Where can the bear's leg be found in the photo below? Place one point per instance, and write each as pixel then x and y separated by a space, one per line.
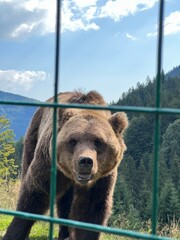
pixel 29 201
pixel 92 205
pixel 63 211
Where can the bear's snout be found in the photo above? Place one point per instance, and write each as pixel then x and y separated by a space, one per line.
pixel 85 170
pixel 85 164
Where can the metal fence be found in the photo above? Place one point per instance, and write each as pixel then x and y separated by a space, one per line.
pixel 157 111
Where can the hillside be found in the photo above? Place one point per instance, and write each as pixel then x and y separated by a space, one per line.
pixel 174 73
pixel 19 115
pixel 144 94
pixel 133 190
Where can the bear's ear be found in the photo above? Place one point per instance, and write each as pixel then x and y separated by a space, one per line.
pixel 119 122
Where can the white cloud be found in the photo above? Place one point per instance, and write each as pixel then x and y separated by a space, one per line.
pixel 23 29
pixel 85 3
pixel 90 13
pixel 73 20
pixel 171 25
pixel 129 36
pixel 22 18
pixel 13 79
pixel 120 8
pixel 151 34
pixel 27 17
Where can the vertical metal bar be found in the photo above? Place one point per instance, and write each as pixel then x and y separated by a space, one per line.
pixel 157 121
pixel 159 55
pixel 54 137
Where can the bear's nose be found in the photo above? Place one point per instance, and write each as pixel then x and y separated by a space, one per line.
pixel 85 163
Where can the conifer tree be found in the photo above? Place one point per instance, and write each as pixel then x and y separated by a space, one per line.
pixel 7 167
pixel 18 154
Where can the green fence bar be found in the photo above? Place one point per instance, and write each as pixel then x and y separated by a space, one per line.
pixel 86 226
pixel 175 111
pixel 157 122
pixel 54 137
pixel 53 173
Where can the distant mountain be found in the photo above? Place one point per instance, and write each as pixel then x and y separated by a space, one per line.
pixel 174 73
pixel 19 116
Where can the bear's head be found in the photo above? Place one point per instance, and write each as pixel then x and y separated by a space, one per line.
pixel 90 144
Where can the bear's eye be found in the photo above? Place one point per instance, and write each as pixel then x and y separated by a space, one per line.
pixel 72 142
pixel 98 143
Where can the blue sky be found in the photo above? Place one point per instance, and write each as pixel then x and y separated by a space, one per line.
pixel 106 45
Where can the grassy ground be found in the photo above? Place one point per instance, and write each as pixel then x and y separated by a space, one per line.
pixel 8 199
pixel 40 230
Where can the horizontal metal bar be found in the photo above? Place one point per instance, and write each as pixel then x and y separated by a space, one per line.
pixel 82 225
pixel 97 107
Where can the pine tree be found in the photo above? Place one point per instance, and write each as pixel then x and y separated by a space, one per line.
pixel 169 173
pixel 18 154
pixel 169 203
pixel 7 167
pixel 171 142
pixel 144 193
pixel 139 137
pixel 122 197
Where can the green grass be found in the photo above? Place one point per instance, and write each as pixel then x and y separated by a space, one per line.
pixel 4 222
pixel 40 230
pixel 8 199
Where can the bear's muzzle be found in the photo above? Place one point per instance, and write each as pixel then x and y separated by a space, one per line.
pixel 85 165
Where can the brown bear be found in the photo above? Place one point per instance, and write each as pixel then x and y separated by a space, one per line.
pixel 90 147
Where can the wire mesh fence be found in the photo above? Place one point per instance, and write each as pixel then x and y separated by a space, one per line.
pixel 157 111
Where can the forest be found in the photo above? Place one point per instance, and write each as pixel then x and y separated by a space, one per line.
pixel 133 193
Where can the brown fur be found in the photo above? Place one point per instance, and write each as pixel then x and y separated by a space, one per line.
pixel 90 147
